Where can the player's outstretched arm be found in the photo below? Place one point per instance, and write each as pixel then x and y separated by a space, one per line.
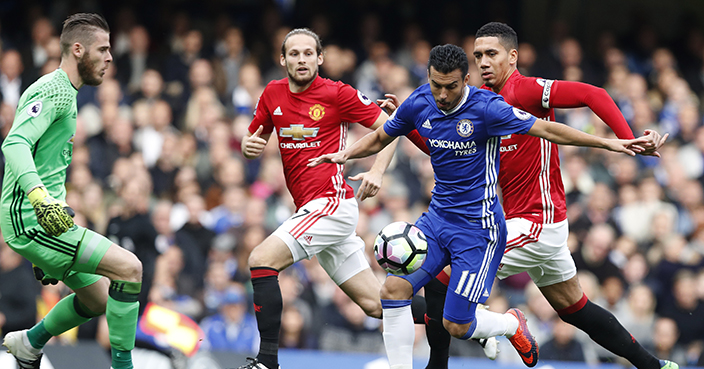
pixel 563 134
pixel 253 143
pixel 570 94
pixel 370 144
pixel 372 180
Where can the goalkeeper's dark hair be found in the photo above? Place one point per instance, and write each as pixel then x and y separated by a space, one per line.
pixel 303 31
pixel 447 58
pixel 81 27
pixel 506 35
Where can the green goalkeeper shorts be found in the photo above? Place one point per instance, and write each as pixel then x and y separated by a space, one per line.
pixel 72 257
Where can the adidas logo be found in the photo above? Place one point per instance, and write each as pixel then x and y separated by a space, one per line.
pixel 308 239
pixel 427 125
pixel 486 293
pixel 278 111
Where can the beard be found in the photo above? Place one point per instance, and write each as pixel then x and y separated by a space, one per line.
pixel 299 81
pixel 86 70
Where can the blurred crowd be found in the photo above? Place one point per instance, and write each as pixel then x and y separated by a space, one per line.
pixel 157 168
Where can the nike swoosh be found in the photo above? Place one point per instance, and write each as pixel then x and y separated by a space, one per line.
pixel 528 357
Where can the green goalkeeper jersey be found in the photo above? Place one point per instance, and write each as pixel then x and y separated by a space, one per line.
pixel 37 150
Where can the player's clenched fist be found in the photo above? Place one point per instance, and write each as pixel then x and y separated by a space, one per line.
pixel 252 146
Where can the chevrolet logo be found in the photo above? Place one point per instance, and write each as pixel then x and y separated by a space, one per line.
pixel 298 132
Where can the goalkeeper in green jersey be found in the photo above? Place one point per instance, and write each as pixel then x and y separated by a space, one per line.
pixel 36 222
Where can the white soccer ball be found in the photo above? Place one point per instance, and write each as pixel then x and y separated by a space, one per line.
pixel 400 248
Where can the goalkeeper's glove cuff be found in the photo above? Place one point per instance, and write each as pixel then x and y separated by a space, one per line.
pixel 37 194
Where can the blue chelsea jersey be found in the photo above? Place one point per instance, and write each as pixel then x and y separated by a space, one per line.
pixel 464 147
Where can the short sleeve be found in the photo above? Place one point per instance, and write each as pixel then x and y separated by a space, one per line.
pixel 356 107
pixel 504 119
pixel 262 116
pixel 401 121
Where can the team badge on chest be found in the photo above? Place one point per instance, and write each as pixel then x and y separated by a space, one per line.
pixel 316 112
pixel 465 128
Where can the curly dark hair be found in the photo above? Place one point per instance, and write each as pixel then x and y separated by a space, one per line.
pixel 447 58
pixel 506 35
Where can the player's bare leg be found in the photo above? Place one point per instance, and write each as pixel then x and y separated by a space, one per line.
pixel 363 288
pixel 564 294
pixel 265 262
pixel 572 305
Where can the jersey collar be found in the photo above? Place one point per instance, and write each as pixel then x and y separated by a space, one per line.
pixel 65 75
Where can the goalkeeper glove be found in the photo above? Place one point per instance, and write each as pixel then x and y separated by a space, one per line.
pixel 40 276
pixel 53 215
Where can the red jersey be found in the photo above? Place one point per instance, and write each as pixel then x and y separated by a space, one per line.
pixel 309 124
pixel 529 174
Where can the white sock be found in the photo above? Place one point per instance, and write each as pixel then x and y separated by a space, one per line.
pixel 491 324
pixel 28 345
pixel 399 334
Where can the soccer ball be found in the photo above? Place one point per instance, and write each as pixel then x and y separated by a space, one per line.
pixel 400 248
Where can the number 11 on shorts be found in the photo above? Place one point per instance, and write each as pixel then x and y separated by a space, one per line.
pixel 463 278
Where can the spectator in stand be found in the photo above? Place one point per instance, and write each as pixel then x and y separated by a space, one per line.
pixel 232 328
pixel 686 309
pixel 563 346
pixel 183 55
pixel 149 138
pixel 597 210
pixel 370 70
pixel 12 83
pixel 539 315
pixel 231 212
pixel 151 87
pixel 271 67
pixel 639 316
pixel 132 65
pixel 593 256
pixel 248 237
pixel 174 289
pixel 36 54
pixel 295 328
pixel 636 219
pixel 233 56
pixel 94 207
pixel 340 64
pixel 348 328
pixel 133 229
pixel 665 337
pixel 194 239
pixel 217 281
pixel 246 94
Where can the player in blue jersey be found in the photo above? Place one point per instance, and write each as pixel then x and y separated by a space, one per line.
pixel 464 224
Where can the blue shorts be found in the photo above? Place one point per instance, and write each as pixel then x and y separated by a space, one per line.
pixel 474 253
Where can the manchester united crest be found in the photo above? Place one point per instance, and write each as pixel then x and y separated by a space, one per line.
pixel 316 112
pixel 465 128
